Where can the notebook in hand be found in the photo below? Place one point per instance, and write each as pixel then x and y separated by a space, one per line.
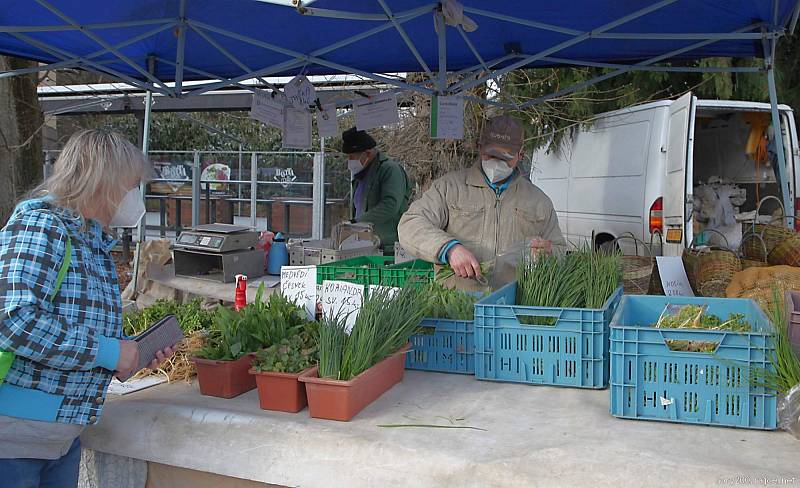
pixel 159 336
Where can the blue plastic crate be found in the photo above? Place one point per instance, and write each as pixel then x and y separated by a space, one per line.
pixel 572 352
pixel 449 349
pixel 649 381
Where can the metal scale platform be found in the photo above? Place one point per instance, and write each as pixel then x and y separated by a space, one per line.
pixel 218 252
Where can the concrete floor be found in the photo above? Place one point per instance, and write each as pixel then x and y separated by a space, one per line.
pixel 534 436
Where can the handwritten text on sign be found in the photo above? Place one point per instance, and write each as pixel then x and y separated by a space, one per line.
pixel 673 276
pixel 267 109
pixel 299 285
pixel 342 299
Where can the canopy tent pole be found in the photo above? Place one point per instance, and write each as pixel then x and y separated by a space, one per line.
pixel 784 184
pixel 142 227
pixel 318 193
pixel 441 35
pixel 180 50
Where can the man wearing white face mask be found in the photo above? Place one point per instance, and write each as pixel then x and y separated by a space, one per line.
pixel 381 189
pixel 472 216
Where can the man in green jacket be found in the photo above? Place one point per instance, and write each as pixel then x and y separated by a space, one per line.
pixel 380 187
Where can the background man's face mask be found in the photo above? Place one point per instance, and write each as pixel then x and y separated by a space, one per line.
pixel 496 169
pixel 355 165
pixel 130 210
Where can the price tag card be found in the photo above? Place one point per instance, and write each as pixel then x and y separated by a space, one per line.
pixel 297 129
pixel 327 125
pixel 342 299
pixel 299 284
pixel 447 117
pixel 267 109
pixel 376 111
pixel 390 290
pixel 673 276
pixel 300 92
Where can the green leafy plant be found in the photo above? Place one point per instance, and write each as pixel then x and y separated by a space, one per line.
pixel 291 355
pixel 191 316
pixel 582 278
pixel 785 362
pixel 384 325
pixel 259 324
pixel 447 303
pixel 695 317
pixel 331 341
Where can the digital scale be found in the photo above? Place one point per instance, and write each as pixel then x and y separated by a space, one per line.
pixel 218 252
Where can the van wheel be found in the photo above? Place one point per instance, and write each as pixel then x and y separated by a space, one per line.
pixel 605 243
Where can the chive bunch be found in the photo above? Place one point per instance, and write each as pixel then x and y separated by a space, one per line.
pixel 384 325
pixel 785 361
pixel 447 303
pixel 582 278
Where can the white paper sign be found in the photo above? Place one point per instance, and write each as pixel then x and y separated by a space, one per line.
pixel 390 290
pixel 299 284
pixel 297 129
pixel 116 387
pixel 300 92
pixel 267 109
pixel 673 276
pixel 327 125
pixel 447 117
pixel 376 111
pixel 340 298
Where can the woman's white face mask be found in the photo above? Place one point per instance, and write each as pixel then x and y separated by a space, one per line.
pixel 130 210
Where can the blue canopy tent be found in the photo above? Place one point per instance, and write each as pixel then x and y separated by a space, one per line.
pixel 157 45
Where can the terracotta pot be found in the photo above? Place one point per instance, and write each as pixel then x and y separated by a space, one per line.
pixel 281 391
pixel 342 400
pixel 225 379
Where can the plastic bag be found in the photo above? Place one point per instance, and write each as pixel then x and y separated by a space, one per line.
pixel 789 411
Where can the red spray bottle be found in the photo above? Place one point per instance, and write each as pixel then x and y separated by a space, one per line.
pixel 240 299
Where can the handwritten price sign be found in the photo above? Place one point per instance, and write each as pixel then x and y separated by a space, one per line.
pixel 299 284
pixel 342 299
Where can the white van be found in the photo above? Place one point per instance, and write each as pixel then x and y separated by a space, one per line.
pixel 633 171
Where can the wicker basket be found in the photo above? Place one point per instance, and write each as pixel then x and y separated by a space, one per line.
pixel 753 263
pixel 713 270
pixel 770 233
pixel 786 253
pixel 655 288
pixel 636 270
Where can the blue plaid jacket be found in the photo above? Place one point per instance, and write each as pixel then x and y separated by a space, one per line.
pixel 66 349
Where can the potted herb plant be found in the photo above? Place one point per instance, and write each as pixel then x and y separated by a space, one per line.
pixel 223 364
pixel 356 368
pixel 277 369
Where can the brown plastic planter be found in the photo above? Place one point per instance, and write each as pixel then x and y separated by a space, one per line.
pixel 342 400
pixel 282 392
pixel 225 379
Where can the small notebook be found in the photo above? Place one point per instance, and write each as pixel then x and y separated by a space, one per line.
pixel 163 334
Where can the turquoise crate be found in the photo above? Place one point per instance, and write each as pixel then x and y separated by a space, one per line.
pixel 573 352
pixel 421 272
pixel 364 270
pixel 651 382
pixel 449 349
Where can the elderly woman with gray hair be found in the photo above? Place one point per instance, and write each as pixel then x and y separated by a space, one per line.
pixel 61 319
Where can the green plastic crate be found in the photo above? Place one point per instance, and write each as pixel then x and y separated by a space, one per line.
pixel 364 270
pixel 417 271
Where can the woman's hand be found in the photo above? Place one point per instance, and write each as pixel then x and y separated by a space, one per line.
pixel 128 358
pixel 161 357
